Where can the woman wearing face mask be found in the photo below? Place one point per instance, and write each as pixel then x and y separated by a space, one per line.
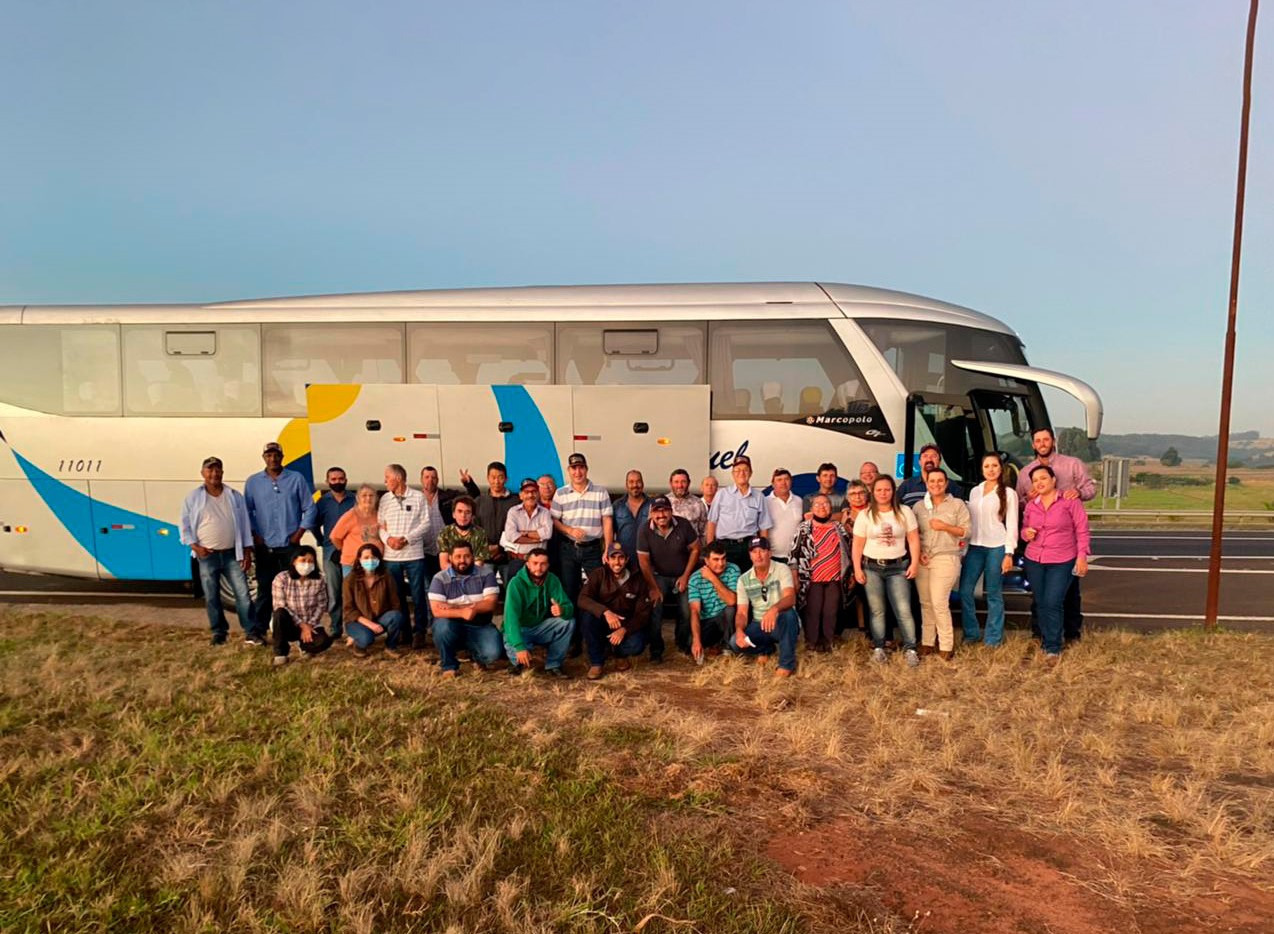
pixel 371 604
pixel 821 554
pixel 357 527
pixel 992 540
pixel 300 600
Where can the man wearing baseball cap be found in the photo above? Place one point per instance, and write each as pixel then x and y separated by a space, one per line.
pixel 528 525
pixel 614 609
pixel 215 524
pixel 668 553
pixel 765 615
pixel 281 507
pixel 585 520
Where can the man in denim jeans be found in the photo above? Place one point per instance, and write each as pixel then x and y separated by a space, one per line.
pixel 214 523
pixel 765 615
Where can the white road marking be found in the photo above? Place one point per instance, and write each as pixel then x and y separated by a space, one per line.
pixel 1184 616
pixel 1180 538
pixel 1186 557
pixel 1107 567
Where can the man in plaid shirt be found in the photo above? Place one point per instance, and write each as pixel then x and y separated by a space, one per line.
pixel 405 519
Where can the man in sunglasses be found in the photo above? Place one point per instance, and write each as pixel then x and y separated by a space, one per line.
pixel 281 507
pixel 765 615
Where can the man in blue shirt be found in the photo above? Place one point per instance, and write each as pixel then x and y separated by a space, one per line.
pixel 330 507
pixel 281 509
pixel 913 489
pixel 738 515
pixel 632 512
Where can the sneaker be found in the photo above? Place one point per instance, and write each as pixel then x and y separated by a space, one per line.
pixel 253 639
pixel 557 673
pixel 913 660
pixel 594 672
pixel 359 653
pixel 879 656
pixel 280 660
pixel 218 639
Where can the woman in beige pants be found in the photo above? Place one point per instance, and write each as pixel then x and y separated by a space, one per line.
pixel 944 525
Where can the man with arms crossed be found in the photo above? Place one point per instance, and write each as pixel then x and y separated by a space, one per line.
pixel 668 553
pixel 712 602
pixel 462 600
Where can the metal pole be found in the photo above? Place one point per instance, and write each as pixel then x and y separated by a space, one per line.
pixel 1227 378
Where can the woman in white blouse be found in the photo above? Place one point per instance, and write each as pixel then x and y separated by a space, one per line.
pixel 994 513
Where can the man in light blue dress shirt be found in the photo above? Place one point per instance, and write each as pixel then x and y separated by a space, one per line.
pixel 281 507
pixel 738 514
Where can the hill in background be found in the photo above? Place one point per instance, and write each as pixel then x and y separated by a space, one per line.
pixel 1247 448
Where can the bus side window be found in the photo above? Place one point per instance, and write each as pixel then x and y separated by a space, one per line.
pixel 299 354
pixel 630 354
pixel 192 371
pixel 782 370
pixel 61 370
pixel 480 354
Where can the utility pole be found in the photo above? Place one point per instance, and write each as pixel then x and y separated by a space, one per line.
pixel 1227 377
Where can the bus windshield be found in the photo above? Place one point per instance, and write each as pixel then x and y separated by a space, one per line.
pixel 921 352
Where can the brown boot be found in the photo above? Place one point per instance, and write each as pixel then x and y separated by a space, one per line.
pixel 927 650
pixel 946 655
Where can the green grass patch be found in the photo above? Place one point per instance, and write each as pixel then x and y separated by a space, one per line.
pixel 150 785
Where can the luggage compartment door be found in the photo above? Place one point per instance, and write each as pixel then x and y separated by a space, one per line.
pixel 655 429
pixel 363 428
pixel 527 428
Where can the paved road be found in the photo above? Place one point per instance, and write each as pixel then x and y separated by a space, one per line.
pixel 1155 579
pixel 1160 579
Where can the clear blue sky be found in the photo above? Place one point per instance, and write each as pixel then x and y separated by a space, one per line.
pixel 1067 167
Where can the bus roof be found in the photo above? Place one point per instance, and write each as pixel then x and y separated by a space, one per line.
pixel 667 302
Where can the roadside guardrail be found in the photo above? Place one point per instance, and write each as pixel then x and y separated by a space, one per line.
pixel 1180 518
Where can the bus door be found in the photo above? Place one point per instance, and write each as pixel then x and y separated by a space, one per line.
pixel 949 422
pixel 1006 422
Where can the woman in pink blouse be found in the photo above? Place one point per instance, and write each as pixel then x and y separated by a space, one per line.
pixel 1055 530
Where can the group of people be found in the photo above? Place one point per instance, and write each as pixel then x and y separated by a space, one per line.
pixel 738 569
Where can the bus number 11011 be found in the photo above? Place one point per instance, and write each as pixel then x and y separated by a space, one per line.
pixel 80 466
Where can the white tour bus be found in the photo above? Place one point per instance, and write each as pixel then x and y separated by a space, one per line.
pixel 106 412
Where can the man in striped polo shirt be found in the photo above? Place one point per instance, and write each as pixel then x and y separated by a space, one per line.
pixel 462 599
pixel 584 518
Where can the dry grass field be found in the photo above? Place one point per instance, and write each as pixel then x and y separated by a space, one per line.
pixel 151 783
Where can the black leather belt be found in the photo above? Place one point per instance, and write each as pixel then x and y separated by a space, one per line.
pixel 886 562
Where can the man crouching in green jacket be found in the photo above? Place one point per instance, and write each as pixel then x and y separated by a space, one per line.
pixel 537 612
